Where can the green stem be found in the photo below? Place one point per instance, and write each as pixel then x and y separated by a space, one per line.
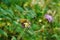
pixel 21 34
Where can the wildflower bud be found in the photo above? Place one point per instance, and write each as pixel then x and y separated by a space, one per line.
pixel 40 20
pixel 8 23
pixel 0 18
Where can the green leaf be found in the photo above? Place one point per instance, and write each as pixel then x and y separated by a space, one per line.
pixel 19 8
pixel 3 33
pixel 13 38
pixel 3 11
pixel 35 27
pixel 37 8
pixel 30 14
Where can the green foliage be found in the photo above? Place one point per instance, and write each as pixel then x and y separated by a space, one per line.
pixel 3 33
pixel 25 20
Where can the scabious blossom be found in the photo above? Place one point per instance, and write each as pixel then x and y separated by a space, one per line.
pixel 49 17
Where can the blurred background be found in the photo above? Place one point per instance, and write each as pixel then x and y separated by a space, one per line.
pixel 29 19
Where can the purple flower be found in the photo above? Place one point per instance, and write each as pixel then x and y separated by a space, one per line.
pixel 49 17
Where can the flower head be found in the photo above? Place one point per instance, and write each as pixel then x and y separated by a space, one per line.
pixel 49 17
pixel 25 23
